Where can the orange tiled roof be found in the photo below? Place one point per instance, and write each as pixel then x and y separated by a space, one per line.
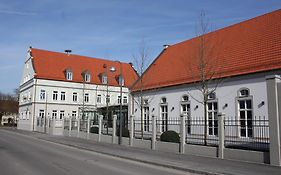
pixel 247 47
pixel 52 65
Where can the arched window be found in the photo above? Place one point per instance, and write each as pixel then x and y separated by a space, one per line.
pixel 244 92
pixel 163 100
pixel 212 96
pixel 184 98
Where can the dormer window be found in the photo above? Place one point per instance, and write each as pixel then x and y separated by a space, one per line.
pixel 104 79
pixel 69 75
pixel 87 77
pixel 121 80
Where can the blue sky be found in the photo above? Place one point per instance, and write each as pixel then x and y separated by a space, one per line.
pixel 111 29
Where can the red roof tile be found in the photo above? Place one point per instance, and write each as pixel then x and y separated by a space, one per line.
pixel 52 65
pixel 247 47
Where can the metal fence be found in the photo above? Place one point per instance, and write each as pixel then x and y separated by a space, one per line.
pixel 251 134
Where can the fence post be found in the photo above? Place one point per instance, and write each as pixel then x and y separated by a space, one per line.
pixel 114 128
pixel 100 127
pixel 274 119
pixel 182 133
pixel 70 127
pixel 153 138
pixel 88 127
pixel 78 126
pixel 221 117
pixel 131 129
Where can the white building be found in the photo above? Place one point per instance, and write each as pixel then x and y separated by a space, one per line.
pixel 62 85
pixel 241 55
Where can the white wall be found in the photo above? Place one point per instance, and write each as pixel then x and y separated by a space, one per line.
pixel 226 93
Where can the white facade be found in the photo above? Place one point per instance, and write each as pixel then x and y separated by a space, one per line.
pixel 227 98
pixel 55 99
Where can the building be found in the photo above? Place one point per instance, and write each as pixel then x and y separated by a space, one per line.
pixel 237 61
pixel 63 85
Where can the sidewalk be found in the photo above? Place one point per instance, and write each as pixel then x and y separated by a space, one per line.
pixel 189 163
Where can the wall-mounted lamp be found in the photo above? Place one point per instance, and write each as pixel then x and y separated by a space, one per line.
pixel 172 108
pixel 225 106
pixel 196 107
pixel 136 110
pixel 153 109
pixel 261 104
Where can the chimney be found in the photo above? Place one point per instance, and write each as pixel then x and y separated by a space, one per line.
pixel 166 46
pixel 68 52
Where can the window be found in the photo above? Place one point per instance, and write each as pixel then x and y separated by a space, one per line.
pixel 69 75
pixel 74 115
pixel 86 97
pixel 245 113
pixel 74 96
pixel 125 99
pixel 55 95
pixel 108 99
pixel 121 80
pixel 185 109
pixel 119 99
pixel 62 96
pixel 146 118
pixel 61 114
pixel 54 114
pixel 87 77
pixel 99 99
pixel 212 112
pixel 104 79
pixel 164 114
pixel 41 118
pixel 42 94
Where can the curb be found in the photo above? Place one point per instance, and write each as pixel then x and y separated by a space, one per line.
pixel 135 159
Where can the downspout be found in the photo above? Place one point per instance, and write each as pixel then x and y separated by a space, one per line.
pixel 34 98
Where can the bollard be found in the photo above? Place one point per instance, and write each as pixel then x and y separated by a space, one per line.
pixel 78 127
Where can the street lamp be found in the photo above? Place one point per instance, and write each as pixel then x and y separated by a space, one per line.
pixel 121 82
pixel 112 69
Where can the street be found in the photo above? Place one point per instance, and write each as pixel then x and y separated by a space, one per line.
pixel 21 155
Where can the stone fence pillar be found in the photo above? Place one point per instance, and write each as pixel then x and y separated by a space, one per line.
pixel 114 119
pixel 221 133
pixel 274 118
pixel 100 127
pixel 153 138
pixel 182 133
pixel 131 129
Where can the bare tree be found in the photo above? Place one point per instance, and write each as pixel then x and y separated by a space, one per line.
pixel 206 67
pixel 141 61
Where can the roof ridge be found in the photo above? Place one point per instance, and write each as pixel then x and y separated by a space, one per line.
pixel 85 57
pixel 230 26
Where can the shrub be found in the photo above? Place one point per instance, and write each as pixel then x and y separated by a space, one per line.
pixel 170 136
pixel 125 132
pixel 94 129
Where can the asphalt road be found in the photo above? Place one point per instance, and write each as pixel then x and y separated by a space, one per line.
pixel 20 155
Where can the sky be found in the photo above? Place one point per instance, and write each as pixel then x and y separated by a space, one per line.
pixel 111 29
